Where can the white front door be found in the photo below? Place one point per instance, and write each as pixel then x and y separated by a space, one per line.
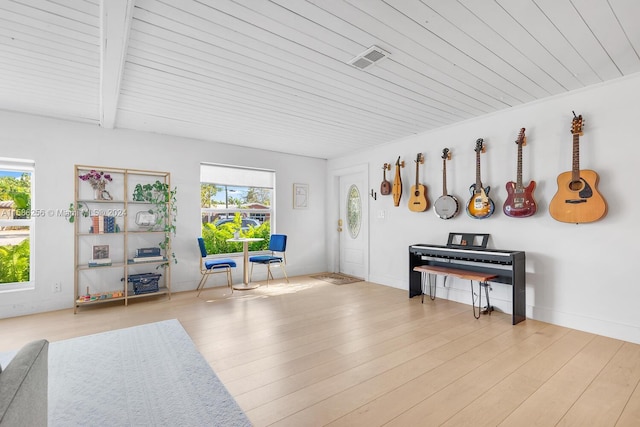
pixel 353 225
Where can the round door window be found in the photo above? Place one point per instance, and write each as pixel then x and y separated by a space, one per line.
pixel 354 211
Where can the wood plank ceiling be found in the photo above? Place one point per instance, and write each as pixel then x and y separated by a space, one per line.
pixel 275 74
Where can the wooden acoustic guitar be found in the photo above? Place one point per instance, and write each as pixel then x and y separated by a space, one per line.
pixel 397 183
pixel 520 202
pixel 480 205
pixel 385 186
pixel 446 206
pixel 418 201
pixel 577 199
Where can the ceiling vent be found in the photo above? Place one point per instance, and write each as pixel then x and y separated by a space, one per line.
pixel 369 57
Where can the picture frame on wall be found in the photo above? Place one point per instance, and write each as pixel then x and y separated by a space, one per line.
pixel 300 196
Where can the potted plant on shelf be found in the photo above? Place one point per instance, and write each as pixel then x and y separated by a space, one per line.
pixel 164 209
pixel 98 181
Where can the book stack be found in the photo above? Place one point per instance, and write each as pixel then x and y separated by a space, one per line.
pixel 102 262
pixel 101 224
pixel 147 255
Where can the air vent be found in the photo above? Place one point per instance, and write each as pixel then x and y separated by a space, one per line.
pixel 369 57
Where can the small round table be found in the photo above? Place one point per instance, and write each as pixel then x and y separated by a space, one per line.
pixel 245 286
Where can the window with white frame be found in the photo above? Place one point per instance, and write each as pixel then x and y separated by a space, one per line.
pixel 17 223
pixel 236 201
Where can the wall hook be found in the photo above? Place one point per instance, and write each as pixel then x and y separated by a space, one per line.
pixel 374 194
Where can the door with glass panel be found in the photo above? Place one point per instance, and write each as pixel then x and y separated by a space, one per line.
pixel 352 225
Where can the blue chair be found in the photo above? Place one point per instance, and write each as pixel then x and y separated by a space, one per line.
pixel 212 266
pixel 277 243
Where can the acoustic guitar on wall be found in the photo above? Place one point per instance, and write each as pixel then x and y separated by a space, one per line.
pixel 446 206
pixel 480 204
pixel 385 186
pixel 418 201
pixel 577 199
pixel 520 202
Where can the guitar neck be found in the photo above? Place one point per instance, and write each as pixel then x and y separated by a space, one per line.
pixel 478 182
pixel 519 176
pixel 444 177
pixel 575 171
pixel 417 173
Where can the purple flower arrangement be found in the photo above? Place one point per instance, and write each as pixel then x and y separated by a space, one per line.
pixel 96 179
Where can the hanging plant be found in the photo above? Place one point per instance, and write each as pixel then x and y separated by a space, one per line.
pixel 165 208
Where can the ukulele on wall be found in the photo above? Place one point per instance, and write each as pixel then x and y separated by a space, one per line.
pixel 480 205
pixel 397 183
pixel 446 206
pixel 418 201
pixel 385 186
pixel 577 199
pixel 520 202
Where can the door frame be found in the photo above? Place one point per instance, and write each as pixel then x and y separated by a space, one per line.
pixel 333 214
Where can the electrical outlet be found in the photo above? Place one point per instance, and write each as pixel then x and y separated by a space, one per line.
pixel 57 287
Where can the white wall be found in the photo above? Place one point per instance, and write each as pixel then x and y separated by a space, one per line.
pixel 57 145
pixel 580 276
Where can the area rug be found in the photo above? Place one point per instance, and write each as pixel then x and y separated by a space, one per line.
pixel 336 278
pixel 149 375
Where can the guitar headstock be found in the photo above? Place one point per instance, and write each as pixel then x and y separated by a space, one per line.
pixel 446 154
pixel 480 148
pixel 521 138
pixel 419 158
pixel 386 166
pixel 576 124
pixel 399 163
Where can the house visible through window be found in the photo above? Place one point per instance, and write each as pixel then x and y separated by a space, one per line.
pixel 235 200
pixel 17 220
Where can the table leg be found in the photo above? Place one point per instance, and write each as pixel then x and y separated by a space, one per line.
pixel 245 286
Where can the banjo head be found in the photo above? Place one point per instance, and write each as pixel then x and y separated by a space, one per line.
pixel 446 207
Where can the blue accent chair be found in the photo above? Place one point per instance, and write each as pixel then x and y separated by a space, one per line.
pixel 277 243
pixel 209 266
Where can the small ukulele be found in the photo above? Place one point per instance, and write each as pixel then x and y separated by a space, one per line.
pixel 385 186
pixel 418 201
pixel 446 206
pixel 480 205
pixel 520 202
pixel 397 183
pixel 577 199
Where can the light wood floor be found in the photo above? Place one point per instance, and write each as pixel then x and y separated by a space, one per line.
pixel 313 353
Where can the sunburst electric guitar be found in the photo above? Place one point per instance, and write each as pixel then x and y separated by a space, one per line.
pixel 577 199
pixel 418 201
pixel 520 202
pixel 480 204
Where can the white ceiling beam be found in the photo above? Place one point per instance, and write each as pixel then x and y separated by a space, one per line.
pixel 115 23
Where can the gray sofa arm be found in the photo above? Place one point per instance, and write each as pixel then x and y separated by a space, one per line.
pixel 24 387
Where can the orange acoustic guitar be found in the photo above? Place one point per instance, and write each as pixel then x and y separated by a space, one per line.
pixel 577 199
pixel 480 205
pixel 520 202
pixel 418 201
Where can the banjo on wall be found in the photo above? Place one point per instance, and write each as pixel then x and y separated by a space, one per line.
pixel 446 206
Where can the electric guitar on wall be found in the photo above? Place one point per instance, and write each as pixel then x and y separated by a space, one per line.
pixel 418 201
pixel 446 206
pixel 520 202
pixel 577 199
pixel 385 186
pixel 480 205
pixel 397 183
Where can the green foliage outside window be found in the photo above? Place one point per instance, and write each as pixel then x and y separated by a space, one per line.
pixel 14 262
pixel 215 237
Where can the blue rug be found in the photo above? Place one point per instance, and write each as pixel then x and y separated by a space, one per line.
pixel 149 375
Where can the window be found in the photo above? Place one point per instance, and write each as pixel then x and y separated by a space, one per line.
pixel 17 220
pixel 235 199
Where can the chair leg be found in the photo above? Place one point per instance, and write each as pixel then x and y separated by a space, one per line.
pixel 229 284
pixel 203 280
pixel 284 271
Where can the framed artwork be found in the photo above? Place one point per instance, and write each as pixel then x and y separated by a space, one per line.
pixel 300 196
pixel 100 251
